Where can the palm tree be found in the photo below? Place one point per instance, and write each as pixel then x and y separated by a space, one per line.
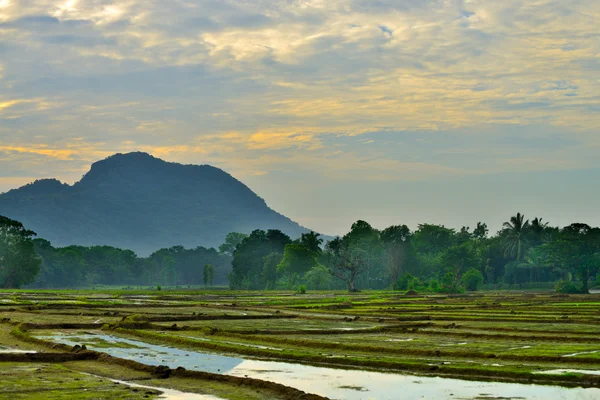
pixel 537 226
pixel 534 260
pixel 538 231
pixel 312 241
pixel 515 231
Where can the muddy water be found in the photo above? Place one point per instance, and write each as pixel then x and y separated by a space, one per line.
pixel 333 383
pixel 170 394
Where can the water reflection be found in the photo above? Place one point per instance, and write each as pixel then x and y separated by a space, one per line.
pixel 329 382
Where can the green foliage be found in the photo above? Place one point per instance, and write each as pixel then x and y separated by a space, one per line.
pixel 450 284
pixel 458 258
pixel 472 279
pixel 208 274
pixel 231 241
pixel 249 258
pixel 521 255
pixel 297 260
pixel 318 277
pixel 564 286
pixel 269 272
pixel 79 266
pixel 302 289
pixel 396 240
pixel 19 263
pixel 358 252
pixel 312 241
pixel 404 282
pixel 158 287
pixel 577 250
pixel 515 234
pixel 434 285
pixel 430 238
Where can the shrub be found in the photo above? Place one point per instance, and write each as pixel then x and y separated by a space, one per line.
pixel 472 279
pixel 302 289
pixel 434 285
pixel 158 287
pixel 404 281
pixel 450 285
pixel 566 287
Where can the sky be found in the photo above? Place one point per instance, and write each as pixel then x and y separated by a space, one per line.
pixel 391 111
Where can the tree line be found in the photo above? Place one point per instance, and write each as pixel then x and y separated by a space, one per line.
pixel 524 253
pixel 433 257
pixel 26 260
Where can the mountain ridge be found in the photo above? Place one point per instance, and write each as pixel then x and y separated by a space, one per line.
pixel 143 203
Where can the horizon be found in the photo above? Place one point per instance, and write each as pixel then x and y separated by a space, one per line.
pixel 494 226
pixel 395 112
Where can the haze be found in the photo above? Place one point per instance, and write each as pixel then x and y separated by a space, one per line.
pixel 388 111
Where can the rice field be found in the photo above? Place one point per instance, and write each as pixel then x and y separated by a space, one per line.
pixel 241 345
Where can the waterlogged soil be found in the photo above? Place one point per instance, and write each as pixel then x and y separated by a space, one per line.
pixel 329 382
pixel 149 354
pixel 48 381
pixel 503 336
pixel 168 394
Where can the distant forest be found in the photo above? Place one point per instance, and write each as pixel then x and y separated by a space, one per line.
pixel 523 254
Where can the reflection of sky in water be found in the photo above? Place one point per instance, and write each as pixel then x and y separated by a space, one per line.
pixel 152 354
pixel 376 385
pixel 329 382
pixel 171 394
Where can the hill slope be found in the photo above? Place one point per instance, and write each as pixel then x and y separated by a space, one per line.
pixel 142 203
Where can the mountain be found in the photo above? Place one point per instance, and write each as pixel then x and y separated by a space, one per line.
pixel 143 203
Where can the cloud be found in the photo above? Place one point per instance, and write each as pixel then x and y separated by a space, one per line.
pixel 349 89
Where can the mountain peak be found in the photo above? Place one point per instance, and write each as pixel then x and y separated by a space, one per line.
pixel 126 160
pixel 40 186
pixel 134 156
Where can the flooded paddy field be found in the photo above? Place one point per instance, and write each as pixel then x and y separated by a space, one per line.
pixel 225 345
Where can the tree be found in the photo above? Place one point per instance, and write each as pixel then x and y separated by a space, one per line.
pixel 433 238
pixel 365 247
pixel 534 261
pixel 269 272
pixel 472 279
pixel 71 268
pixel 458 258
pixel 318 277
pixel 19 263
pixel 169 273
pixel 395 240
pixel 248 258
pixel 208 274
pixel 277 240
pixel 312 241
pixel 577 250
pixel 537 231
pixel 515 232
pixel 231 241
pixel 480 232
pixel 347 262
pixel 297 260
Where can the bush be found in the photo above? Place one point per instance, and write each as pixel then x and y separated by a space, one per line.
pixel 302 289
pixel 450 285
pixel 404 282
pixel 566 287
pixel 434 285
pixel 472 279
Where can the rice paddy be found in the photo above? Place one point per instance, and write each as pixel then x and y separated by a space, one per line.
pixel 272 345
